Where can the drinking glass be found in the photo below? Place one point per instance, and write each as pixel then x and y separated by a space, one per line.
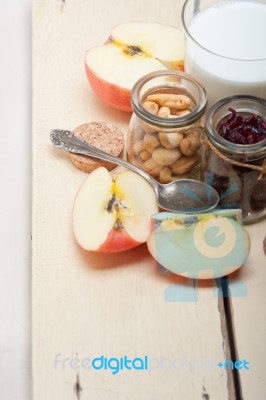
pixel 225 48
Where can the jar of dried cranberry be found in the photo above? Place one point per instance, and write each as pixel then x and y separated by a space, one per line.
pixel 235 162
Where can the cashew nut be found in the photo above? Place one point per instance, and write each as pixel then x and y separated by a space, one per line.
pixel 145 155
pixel 181 113
pixel 165 112
pixel 178 105
pixel 149 143
pixel 184 164
pixel 152 167
pixel 164 156
pixel 178 101
pixel 191 143
pixel 151 107
pixel 165 175
pixel 170 140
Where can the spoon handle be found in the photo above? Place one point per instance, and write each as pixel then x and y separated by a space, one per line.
pixel 67 140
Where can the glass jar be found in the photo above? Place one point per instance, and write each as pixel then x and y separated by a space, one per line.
pixel 165 134
pixel 237 171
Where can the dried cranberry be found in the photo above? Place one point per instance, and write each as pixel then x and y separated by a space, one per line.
pixel 251 120
pixel 243 129
pixel 232 116
pixel 261 138
pixel 248 129
pixel 223 129
pixel 220 183
pixel 258 198
pixel 237 138
pixel 262 126
pixel 252 138
pixel 236 122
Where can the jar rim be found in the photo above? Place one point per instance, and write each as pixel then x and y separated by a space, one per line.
pixel 218 141
pixel 150 118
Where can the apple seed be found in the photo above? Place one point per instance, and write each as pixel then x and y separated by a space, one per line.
pixel 132 51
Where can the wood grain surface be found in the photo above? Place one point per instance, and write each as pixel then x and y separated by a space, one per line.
pixel 248 299
pixel 86 305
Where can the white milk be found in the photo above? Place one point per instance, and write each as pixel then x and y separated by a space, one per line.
pixel 235 30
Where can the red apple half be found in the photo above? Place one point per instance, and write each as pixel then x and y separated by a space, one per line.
pixel 133 50
pixel 113 214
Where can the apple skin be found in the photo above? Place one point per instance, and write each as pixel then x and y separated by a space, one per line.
pixel 118 240
pixel 115 96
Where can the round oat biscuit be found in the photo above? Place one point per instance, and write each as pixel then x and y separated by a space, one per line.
pixel 102 135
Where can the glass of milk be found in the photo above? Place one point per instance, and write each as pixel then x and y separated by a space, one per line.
pixel 226 46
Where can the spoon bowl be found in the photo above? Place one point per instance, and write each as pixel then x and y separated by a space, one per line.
pixel 182 195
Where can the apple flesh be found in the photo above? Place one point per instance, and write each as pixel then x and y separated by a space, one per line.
pixel 203 246
pixel 134 49
pixel 113 214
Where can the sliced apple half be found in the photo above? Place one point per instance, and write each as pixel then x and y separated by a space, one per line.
pixel 113 214
pixel 200 246
pixel 133 50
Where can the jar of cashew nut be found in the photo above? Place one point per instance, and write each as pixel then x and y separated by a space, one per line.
pixel 165 134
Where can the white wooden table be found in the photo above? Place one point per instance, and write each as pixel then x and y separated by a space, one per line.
pixel 85 305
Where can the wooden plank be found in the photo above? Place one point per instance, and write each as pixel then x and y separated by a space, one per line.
pixel 248 299
pixel 87 305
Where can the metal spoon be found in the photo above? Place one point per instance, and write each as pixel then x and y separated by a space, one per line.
pixel 184 195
